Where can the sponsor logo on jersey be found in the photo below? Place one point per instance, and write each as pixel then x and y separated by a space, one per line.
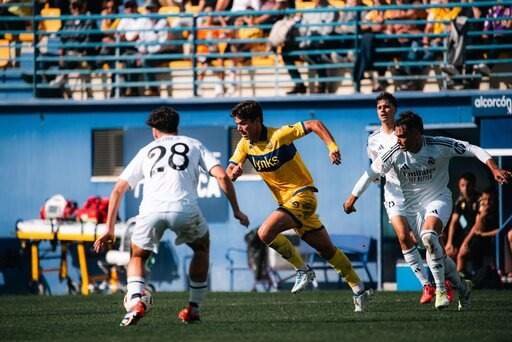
pixel 273 160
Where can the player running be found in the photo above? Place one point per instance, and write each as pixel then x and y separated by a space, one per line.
pixel 273 155
pixel 169 167
pixel 422 164
pixel 378 143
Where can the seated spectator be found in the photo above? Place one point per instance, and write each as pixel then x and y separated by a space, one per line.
pixel 108 25
pixel 477 247
pixel 315 33
pixel 463 215
pixel 498 34
pixel 153 37
pixel 457 54
pixel 413 54
pixel 127 34
pixel 372 23
pixel 208 33
pixel 80 33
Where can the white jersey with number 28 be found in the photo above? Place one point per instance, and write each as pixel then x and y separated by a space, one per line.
pixel 170 168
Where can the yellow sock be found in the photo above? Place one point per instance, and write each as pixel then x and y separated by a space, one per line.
pixel 284 247
pixel 342 265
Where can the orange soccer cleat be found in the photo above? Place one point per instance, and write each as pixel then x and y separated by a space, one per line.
pixel 132 317
pixel 190 314
pixel 429 292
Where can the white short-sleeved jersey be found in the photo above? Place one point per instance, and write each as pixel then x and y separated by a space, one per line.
pixel 378 143
pixel 169 168
pixel 423 176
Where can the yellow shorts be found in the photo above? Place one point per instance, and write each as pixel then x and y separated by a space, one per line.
pixel 302 207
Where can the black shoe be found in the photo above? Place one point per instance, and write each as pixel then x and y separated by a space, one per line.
pixel 297 89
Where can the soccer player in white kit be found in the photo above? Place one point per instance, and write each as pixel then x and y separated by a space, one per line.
pixel 378 143
pixel 169 166
pixel 421 163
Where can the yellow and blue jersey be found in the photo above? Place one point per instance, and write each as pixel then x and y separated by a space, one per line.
pixel 276 159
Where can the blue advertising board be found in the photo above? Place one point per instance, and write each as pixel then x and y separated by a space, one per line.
pixel 492 105
pixel 213 203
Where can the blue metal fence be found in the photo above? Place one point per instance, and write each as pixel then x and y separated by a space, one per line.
pixel 198 58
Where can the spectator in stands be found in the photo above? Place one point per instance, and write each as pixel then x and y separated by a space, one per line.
pixel 497 33
pixel 477 247
pixel 413 54
pixel 79 33
pixel 199 5
pixel 457 54
pixel 108 25
pixel 154 38
pixel 128 53
pixel 317 31
pixel 463 215
pixel 373 22
pixel 208 33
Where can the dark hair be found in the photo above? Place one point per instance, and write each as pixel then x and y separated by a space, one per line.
pixel 410 120
pixel 385 96
pixel 469 177
pixel 250 110
pixel 165 119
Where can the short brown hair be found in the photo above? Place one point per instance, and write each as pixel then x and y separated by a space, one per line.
pixel 248 110
pixel 164 119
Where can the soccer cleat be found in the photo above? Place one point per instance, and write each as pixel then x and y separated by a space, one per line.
pixel 428 294
pixel 189 314
pixel 361 300
pixel 450 292
pixel 302 279
pixel 465 295
pixel 442 300
pixel 132 317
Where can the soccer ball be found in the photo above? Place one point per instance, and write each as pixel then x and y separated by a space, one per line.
pixel 146 298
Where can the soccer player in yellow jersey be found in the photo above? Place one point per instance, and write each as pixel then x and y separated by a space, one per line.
pixel 273 155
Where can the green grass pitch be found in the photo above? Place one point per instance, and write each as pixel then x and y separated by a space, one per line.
pixel 308 316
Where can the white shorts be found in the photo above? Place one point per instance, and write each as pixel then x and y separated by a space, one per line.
pixel 394 201
pixel 149 228
pixel 440 208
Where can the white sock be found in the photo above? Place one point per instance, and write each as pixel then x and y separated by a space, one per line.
pixel 413 258
pixel 435 257
pixel 134 286
pixel 358 289
pixel 450 270
pixel 198 291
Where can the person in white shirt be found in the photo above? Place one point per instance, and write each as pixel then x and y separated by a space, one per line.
pixel 378 143
pixel 170 167
pixel 421 163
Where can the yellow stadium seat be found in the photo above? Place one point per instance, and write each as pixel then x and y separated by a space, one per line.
pixel 337 3
pixel 27 37
pixel 301 4
pixel 169 10
pixel 180 64
pixel 263 61
pixel 5 53
pixel 51 25
pixel 189 8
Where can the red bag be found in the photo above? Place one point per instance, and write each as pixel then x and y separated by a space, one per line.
pixel 95 210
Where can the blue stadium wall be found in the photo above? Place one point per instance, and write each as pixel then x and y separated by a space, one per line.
pixel 46 148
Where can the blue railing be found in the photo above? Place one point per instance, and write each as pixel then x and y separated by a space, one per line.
pixel 194 59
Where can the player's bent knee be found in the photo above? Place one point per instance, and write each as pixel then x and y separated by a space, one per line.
pixel 429 238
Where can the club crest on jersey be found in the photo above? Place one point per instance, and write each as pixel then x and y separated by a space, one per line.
pixel 431 161
pixel 404 167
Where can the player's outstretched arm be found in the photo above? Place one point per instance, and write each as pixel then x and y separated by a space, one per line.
pixel 234 171
pixel 113 207
pixel 229 190
pixel 500 175
pixel 359 188
pixel 321 130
